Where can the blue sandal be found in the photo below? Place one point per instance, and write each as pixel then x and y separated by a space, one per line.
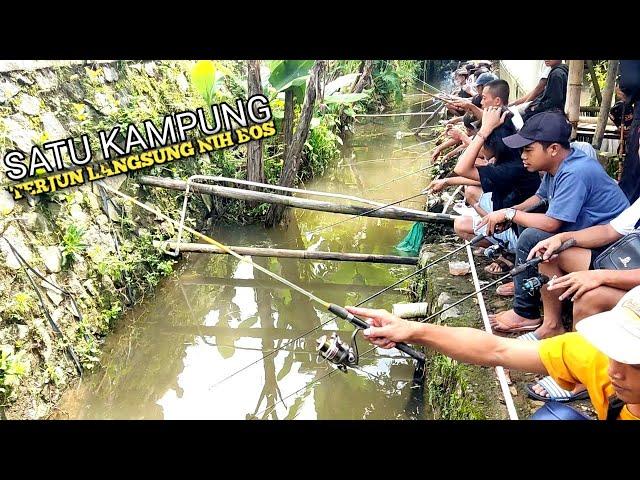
pixel 555 392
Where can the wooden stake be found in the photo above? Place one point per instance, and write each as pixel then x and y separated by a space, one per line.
pixel 605 105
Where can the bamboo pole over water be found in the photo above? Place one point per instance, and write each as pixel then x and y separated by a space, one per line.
pixel 395 213
pixel 289 253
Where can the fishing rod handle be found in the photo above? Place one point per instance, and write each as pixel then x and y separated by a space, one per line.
pixel 358 322
pixel 535 261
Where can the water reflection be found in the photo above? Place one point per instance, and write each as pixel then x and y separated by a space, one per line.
pixel 219 315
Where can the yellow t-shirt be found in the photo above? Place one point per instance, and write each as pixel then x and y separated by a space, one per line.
pixel 571 359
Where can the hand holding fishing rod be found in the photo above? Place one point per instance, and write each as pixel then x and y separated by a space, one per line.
pixel 388 329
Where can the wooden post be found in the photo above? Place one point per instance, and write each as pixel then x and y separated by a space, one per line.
pixel 293 154
pixel 365 76
pixel 605 106
pixel 255 169
pixel 576 70
pixel 291 253
pixel 594 81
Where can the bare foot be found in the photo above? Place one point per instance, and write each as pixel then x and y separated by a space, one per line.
pixel 506 289
pixel 509 321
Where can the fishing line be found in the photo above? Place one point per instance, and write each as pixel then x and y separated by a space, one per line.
pixel 333 308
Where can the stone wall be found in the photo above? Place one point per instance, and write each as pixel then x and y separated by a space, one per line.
pixel 103 257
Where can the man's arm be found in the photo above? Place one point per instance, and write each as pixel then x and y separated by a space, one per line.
pixel 441 183
pixel 528 203
pixel 467 345
pixel 466 163
pixel 592 237
pixel 491 119
pixel 536 220
pixel 539 88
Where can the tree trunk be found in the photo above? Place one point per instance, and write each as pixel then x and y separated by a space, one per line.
pixel 576 70
pixel 365 77
pixel 287 123
pixel 255 168
pixel 594 81
pixel 293 153
pixel 605 105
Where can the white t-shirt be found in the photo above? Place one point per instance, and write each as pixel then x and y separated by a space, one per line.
pixel 543 71
pixel 517 118
pixel 625 223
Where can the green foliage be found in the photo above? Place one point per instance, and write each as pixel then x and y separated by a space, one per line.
pixel 206 78
pixel 446 387
pixel 600 67
pixel 72 244
pixel 12 367
pixel 287 73
pixel 321 150
pixel 19 306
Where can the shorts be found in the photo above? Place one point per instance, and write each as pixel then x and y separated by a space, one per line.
pixel 508 237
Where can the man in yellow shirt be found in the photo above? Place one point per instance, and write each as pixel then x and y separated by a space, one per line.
pixel 604 354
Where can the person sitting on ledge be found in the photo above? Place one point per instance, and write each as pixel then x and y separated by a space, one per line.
pixel 604 354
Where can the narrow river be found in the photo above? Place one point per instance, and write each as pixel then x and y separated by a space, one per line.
pixel 215 316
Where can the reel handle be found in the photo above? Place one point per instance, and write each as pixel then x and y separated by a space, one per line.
pixel 358 322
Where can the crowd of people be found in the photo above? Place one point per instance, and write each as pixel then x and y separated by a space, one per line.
pixel 530 188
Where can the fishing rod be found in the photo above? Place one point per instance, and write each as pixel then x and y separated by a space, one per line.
pixel 530 284
pixel 376 294
pixel 316 230
pixel 343 353
pixel 332 307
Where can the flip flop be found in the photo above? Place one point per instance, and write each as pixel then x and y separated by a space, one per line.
pixel 531 337
pixel 505 266
pixel 556 393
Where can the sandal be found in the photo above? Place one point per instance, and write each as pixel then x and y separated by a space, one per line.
pixel 503 265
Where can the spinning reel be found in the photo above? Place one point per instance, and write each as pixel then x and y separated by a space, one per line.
pixel 530 285
pixel 338 352
pixel 494 251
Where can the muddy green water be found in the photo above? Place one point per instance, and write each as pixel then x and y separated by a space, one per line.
pixel 217 315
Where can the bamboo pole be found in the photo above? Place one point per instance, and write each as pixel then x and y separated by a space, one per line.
pixel 576 70
pixel 396 213
pixel 289 253
pixel 605 105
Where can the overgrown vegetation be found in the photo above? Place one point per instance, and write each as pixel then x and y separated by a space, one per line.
pixel 108 259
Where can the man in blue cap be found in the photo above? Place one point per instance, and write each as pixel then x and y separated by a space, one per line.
pixel 580 194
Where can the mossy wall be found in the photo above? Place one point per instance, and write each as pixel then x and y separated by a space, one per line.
pixel 103 257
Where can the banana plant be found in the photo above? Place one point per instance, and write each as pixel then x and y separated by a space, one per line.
pixel 207 77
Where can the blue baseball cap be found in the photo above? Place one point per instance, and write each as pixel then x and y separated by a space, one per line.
pixel 542 127
pixel 485 78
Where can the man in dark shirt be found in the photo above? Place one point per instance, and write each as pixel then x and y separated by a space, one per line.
pixel 580 194
pixel 555 91
pixel 630 86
